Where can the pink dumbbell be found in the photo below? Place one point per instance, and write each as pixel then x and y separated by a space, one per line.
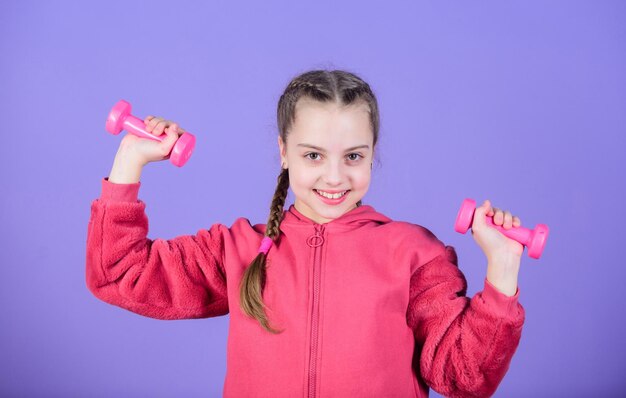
pixel 120 119
pixel 534 239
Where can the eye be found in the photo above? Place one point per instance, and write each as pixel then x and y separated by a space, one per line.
pixel 352 156
pixel 311 153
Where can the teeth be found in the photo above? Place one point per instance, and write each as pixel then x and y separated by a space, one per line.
pixel 331 196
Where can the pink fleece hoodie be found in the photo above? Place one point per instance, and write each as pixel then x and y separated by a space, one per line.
pixel 371 307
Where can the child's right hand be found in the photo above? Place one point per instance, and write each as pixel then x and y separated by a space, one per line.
pixel 146 150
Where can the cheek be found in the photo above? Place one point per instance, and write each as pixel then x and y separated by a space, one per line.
pixel 362 184
pixel 361 179
pixel 300 179
pixel 366 174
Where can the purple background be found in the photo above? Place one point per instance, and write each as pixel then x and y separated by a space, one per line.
pixel 522 103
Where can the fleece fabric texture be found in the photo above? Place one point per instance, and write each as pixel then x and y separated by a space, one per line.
pixel 370 307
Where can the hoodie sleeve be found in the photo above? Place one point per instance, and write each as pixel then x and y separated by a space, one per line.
pixel 466 344
pixel 181 278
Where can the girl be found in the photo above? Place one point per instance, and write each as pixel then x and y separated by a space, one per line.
pixel 330 297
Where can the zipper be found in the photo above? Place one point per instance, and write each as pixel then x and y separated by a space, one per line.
pixel 315 241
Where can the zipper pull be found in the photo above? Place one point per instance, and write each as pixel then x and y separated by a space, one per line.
pixel 316 239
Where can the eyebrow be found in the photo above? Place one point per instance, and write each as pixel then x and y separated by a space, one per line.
pixel 323 150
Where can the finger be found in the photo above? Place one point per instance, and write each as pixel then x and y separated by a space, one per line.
pixel 174 128
pixel 160 127
pixel 498 218
pixel 147 119
pixel 180 129
pixel 170 139
pixel 508 220
pixel 516 221
pixel 152 123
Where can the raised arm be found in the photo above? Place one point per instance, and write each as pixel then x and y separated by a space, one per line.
pixel 466 344
pixel 165 279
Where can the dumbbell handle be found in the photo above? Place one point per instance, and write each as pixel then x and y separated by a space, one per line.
pixel 520 234
pixel 137 127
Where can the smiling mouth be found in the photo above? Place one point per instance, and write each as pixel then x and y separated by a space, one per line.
pixel 331 196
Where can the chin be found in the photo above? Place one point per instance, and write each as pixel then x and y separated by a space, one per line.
pixel 319 209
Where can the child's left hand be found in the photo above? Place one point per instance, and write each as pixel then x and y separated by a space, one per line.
pixel 495 244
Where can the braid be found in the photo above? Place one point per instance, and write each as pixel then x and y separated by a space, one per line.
pixel 278 202
pixel 253 281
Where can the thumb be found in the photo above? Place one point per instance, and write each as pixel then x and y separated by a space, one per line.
pixel 480 213
pixel 172 136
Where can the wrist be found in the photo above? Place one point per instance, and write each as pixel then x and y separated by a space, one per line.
pixel 503 274
pixel 127 168
pixel 128 156
pixel 504 259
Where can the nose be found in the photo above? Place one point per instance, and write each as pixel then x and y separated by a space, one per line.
pixel 333 174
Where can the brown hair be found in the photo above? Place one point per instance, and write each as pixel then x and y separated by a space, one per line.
pixel 338 86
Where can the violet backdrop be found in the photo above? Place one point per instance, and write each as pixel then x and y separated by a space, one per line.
pixel 520 102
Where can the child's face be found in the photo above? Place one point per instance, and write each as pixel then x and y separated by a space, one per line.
pixel 332 167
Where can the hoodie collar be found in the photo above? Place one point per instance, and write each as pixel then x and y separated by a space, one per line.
pixel 359 216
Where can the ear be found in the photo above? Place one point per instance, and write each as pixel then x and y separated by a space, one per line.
pixel 282 149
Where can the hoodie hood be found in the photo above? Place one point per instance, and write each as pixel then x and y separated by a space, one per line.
pixel 355 218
